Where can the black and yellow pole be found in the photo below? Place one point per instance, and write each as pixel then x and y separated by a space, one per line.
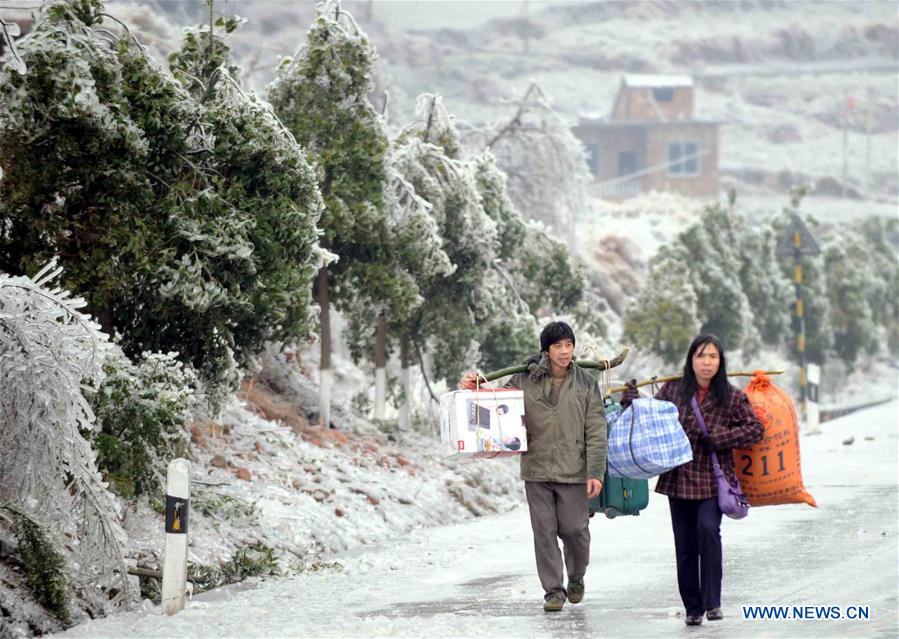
pixel 800 339
pixel 798 241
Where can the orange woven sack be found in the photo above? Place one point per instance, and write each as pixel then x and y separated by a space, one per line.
pixel 770 472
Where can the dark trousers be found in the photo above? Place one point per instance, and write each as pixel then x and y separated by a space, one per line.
pixel 697 544
pixel 559 511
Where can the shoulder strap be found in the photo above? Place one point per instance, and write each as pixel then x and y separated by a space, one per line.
pixel 702 427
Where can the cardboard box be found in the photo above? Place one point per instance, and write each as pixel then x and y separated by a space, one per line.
pixel 485 423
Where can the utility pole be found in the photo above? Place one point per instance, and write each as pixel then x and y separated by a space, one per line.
pixel 870 109
pixel 846 99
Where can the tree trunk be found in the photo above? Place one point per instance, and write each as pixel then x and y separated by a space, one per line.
pixel 381 368
pixel 406 379
pixel 326 375
pixel 105 317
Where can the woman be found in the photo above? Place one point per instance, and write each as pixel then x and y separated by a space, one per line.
pixel 691 488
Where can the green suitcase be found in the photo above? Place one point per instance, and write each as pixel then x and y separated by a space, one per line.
pixel 620 496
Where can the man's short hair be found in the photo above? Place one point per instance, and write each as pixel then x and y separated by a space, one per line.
pixel 555 332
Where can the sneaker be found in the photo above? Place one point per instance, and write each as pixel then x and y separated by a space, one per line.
pixel 575 591
pixel 714 614
pixel 554 602
pixel 693 620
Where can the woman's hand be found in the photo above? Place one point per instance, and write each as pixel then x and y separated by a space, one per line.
pixel 630 394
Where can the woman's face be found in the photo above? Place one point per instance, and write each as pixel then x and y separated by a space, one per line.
pixel 706 361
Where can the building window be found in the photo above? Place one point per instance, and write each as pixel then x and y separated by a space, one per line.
pixel 683 158
pixel 663 94
pixel 593 158
pixel 627 163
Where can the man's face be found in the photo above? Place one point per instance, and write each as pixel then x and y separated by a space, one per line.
pixel 560 353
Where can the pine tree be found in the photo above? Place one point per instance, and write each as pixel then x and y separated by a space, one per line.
pixel 268 188
pixel 879 239
pixel 709 249
pixel 768 292
pixel 321 95
pixel 415 252
pixel 459 304
pixel 183 232
pixel 663 317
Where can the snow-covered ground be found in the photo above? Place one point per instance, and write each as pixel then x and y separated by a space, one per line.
pixel 478 578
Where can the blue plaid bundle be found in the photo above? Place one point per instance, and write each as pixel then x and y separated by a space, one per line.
pixel 646 440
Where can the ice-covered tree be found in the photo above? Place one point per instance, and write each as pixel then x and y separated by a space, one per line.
pixel 415 252
pixel 266 185
pixel 545 163
pixel 48 470
pixel 663 318
pixel 460 303
pixel 534 266
pixel 141 410
pixel 851 314
pixel 709 249
pixel 321 94
pixel 862 272
pixel 187 227
pixel 880 244
pixel 768 292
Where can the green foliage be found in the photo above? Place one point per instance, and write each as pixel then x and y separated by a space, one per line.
pixel 44 568
pixel 187 226
pixel 253 560
pixel 201 55
pixel 543 271
pixel 141 410
pixel 663 317
pixel 862 274
pixel 321 96
pixel 225 507
pixel 509 341
pixel 879 249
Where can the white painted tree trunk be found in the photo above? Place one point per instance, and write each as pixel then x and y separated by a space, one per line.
pixel 405 409
pixel 812 414
pixel 177 518
pixel 381 368
pixel 380 393
pixel 326 381
pixel 405 420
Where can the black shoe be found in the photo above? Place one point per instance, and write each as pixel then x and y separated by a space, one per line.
pixel 714 614
pixel 693 620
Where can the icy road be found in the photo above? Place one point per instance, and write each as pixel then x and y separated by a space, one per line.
pixel 478 579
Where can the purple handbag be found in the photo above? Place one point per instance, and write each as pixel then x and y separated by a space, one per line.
pixel 731 499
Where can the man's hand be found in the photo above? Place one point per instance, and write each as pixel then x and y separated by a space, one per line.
pixel 594 487
pixel 469 381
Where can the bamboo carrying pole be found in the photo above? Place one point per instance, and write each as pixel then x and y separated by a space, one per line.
pixel 583 363
pixel 673 378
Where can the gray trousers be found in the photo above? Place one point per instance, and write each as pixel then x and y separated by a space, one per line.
pixel 559 511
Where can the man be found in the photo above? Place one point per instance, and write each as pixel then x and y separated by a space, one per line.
pixel 565 461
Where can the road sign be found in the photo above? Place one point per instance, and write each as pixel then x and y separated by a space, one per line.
pixel 797 236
